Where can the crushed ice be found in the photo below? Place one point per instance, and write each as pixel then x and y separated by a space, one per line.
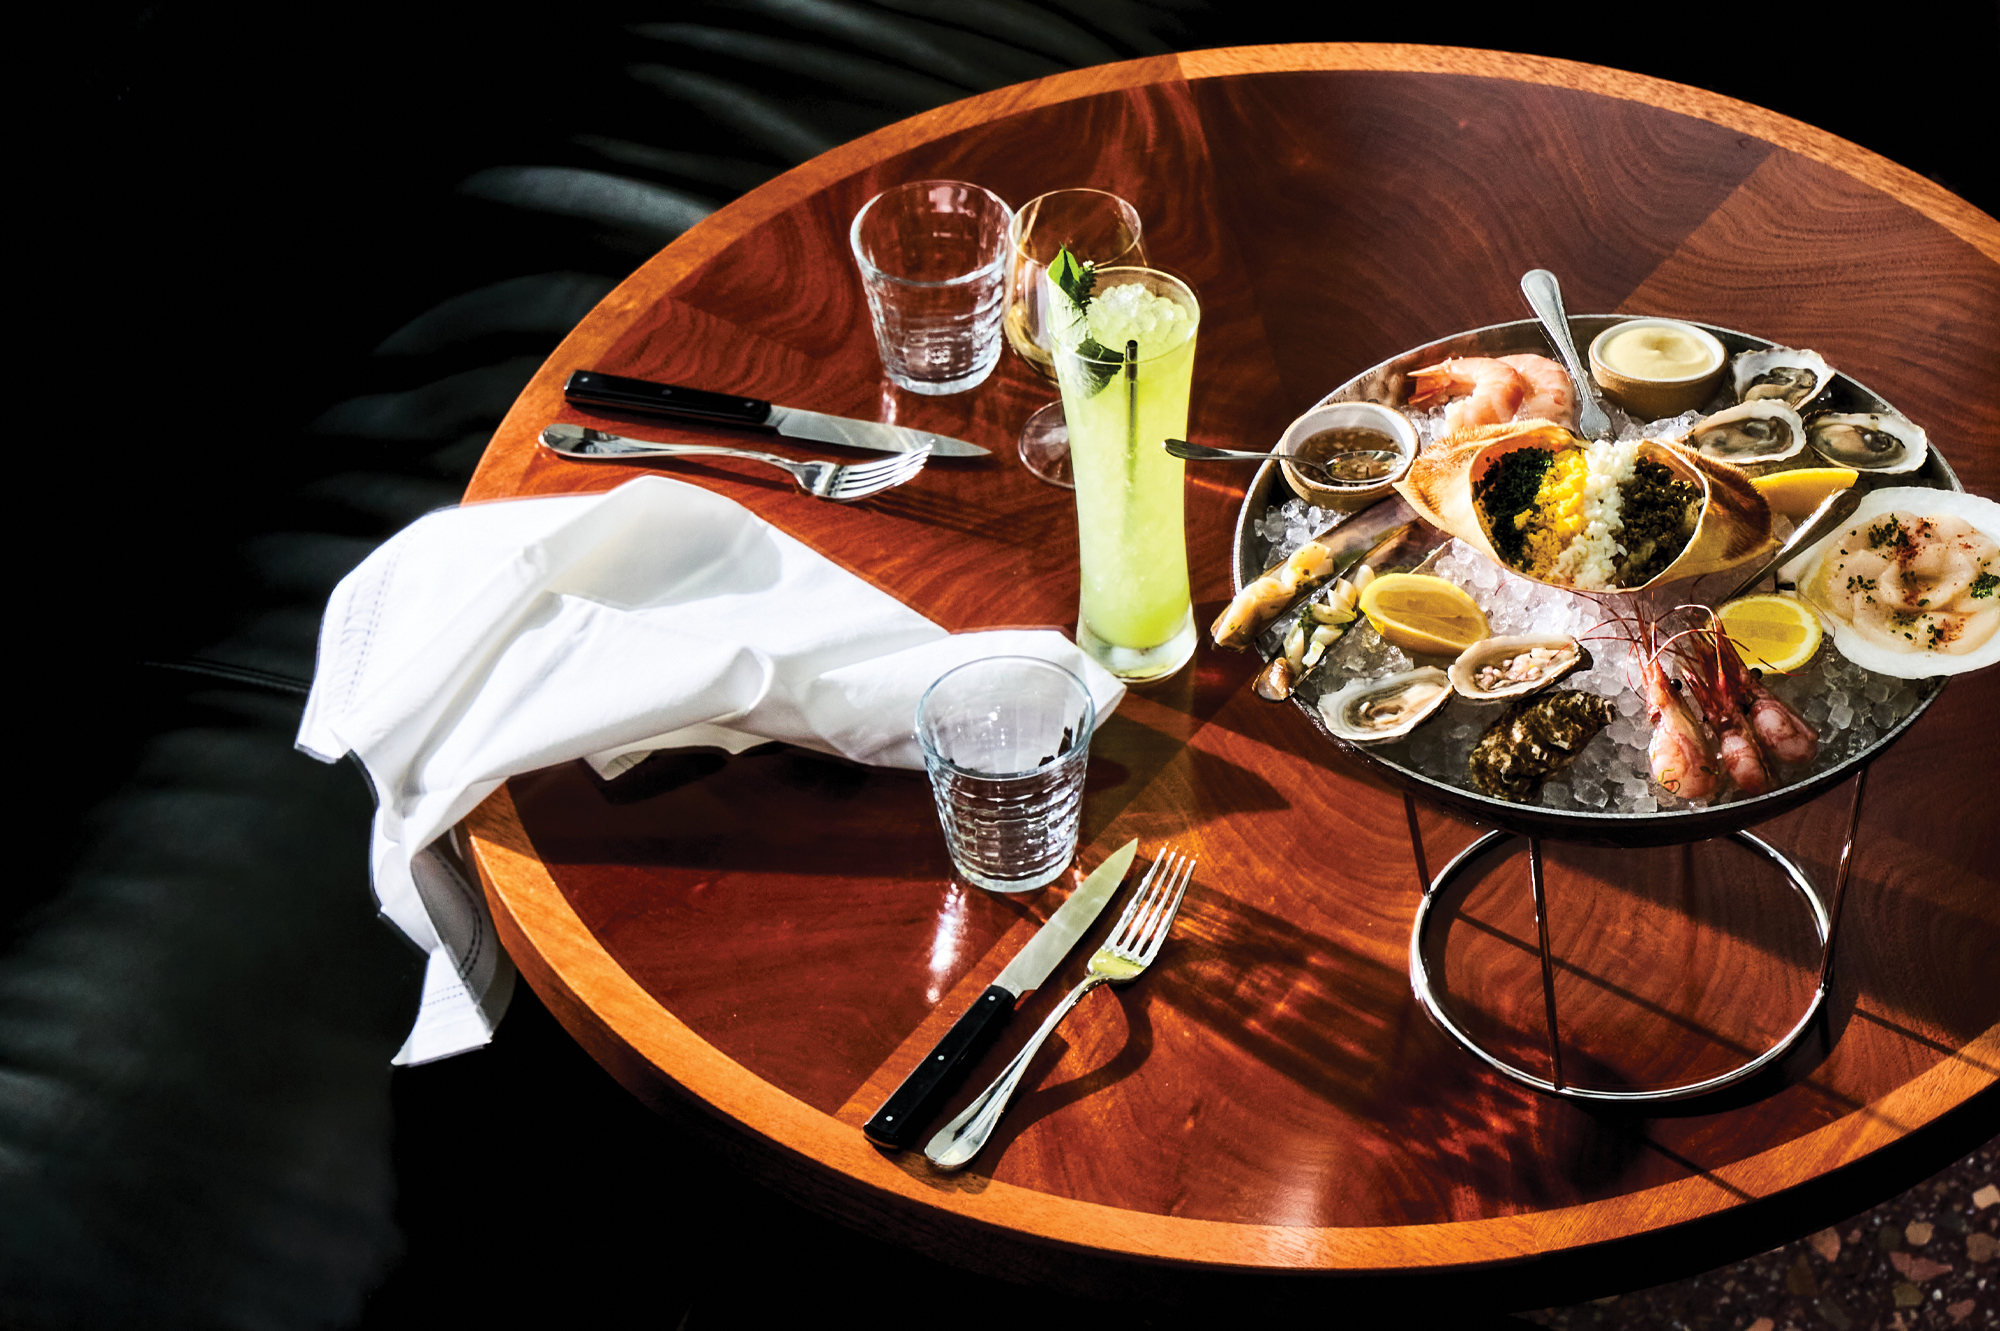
pixel 1850 707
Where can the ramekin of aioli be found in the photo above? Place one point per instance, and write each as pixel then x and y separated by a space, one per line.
pixel 1657 367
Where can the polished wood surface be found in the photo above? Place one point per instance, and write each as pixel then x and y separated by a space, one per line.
pixel 775 939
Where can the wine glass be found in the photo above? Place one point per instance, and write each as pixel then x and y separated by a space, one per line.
pixel 1096 227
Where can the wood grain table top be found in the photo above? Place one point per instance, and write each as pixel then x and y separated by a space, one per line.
pixel 770 942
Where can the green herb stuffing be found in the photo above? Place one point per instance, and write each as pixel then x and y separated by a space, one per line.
pixel 1507 490
pixel 1983 585
pixel 1658 514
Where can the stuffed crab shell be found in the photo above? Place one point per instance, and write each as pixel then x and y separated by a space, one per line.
pixel 1604 516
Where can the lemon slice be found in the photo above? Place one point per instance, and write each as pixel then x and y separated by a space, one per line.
pixel 1422 614
pixel 1771 632
pixel 1797 493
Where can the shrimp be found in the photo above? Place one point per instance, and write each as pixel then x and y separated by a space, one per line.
pixel 1551 395
pixel 1487 391
pixel 1678 751
pixel 1785 734
pixel 1737 749
pixel 1788 736
pixel 1731 693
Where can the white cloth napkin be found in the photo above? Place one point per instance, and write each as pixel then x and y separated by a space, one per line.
pixel 495 639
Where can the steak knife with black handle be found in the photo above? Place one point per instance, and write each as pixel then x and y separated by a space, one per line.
pixel 903 1115
pixel 592 388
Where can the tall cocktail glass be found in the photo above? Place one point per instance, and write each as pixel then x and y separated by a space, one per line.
pixel 1126 368
pixel 1097 228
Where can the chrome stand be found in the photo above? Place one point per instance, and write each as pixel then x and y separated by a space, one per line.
pixel 1826 923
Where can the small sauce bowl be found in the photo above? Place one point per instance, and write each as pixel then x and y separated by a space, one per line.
pixel 1330 435
pixel 1654 397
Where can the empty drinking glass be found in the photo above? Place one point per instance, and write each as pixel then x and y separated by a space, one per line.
pixel 933 260
pixel 1005 741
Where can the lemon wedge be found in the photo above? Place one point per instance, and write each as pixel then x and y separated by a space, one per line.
pixel 1422 614
pixel 1771 632
pixel 1797 493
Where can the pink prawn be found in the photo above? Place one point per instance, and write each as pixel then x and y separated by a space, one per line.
pixel 1736 747
pixel 1551 396
pixel 1487 391
pixel 1679 753
pixel 1785 734
pixel 1789 736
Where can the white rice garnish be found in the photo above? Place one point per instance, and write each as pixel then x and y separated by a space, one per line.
pixel 1591 561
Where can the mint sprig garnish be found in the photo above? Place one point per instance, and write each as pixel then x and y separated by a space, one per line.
pixel 1078 281
pixel 1074 279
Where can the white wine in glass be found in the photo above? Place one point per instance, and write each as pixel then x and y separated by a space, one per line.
pixel 1096 227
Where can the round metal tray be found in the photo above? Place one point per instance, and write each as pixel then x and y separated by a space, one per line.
pixel 1385 383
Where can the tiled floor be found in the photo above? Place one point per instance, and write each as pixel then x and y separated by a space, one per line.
pixel 1929 1258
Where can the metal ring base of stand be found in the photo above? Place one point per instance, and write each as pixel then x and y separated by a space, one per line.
pixel 1823 924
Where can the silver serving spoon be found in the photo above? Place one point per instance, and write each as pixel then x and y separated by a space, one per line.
pixel 1833 510
pixel 1546 298
pixel 1181 448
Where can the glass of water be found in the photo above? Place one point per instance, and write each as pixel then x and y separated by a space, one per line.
pixel 1005 741
pixel 933 260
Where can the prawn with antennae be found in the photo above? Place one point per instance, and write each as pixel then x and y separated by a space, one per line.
pixel 1737 749
pixel 1679 753
pixel 1739 691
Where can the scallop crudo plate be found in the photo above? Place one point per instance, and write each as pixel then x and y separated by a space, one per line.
pixel 1807 570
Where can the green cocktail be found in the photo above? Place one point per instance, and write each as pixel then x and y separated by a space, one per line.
pixel 1126 366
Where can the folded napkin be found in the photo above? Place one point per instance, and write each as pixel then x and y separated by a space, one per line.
pixel 495 639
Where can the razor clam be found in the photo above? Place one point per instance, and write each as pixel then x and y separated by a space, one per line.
pixel 1877 441
pixel 1789 374
pixel 1376 711
pixel 1318 625
pixel 1501 668
pixel 1533 740
pixel 1760 430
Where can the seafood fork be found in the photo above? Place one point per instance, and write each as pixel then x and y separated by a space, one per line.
pixel 1133 944
pixel 842 482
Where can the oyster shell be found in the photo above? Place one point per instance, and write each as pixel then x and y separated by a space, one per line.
pixel 1761 430
pixel 1788 374
pixel 1513 667
pixel 1877 441
pixel 1533 740
pixel 1376 711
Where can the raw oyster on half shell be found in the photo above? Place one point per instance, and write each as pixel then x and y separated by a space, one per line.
pixel 1533 740
pixel 1787 374
pixel 1760 430
pixel 1376 711
pixel 1877 441
pixel 1516 666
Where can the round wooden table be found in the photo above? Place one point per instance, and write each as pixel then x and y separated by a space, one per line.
pixel 766 944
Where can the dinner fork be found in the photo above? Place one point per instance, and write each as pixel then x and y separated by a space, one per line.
pixel 842 482
pixel 1133 944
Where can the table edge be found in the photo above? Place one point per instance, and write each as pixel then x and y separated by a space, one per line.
pixel 640 1041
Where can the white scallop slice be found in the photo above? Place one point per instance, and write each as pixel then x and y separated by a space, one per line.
pixel 1925 502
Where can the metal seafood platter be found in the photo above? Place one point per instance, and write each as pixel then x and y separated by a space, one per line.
pixel 1386 383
